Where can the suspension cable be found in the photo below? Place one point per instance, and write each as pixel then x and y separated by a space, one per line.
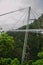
pixel 12 11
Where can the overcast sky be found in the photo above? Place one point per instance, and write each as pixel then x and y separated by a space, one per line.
pixel 9 21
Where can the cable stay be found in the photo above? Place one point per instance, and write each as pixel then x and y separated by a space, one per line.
pixel 12 12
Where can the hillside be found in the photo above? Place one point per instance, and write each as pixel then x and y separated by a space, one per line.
pixel 37 24
pixel 35 41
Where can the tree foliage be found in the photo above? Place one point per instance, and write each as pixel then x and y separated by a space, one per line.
pixel 6 44
pixel 39 61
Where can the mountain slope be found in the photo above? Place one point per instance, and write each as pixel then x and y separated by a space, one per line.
pixel 37 24
pixel 35 41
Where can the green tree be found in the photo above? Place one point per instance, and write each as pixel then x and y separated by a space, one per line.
pixel 5 61
pixel 6 44
pixel 40 55
pixel 15 62
pixel 40 61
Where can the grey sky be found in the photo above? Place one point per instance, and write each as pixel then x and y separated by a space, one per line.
pixel 8 21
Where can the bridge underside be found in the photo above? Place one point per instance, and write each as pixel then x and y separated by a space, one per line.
pixel 29 30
